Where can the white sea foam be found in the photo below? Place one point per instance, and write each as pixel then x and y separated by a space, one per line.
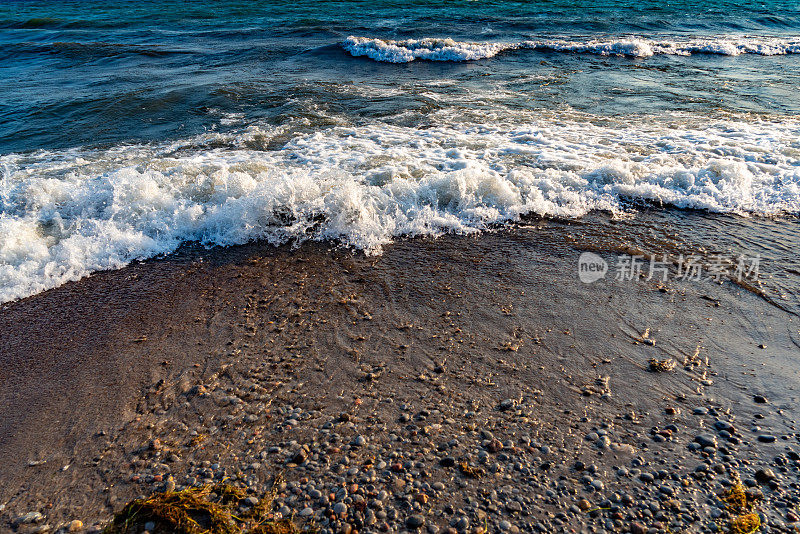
pixel 449 50
pixel 66 214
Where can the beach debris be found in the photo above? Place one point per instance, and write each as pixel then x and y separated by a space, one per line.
pixel 510 346
pixel 740 503
pixel 660 366
pixel 645 338
pixel 599 387
pixel 470 471
pixel 371 373
pixel 216 509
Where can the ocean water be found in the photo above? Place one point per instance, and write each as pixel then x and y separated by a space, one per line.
pixel 129 128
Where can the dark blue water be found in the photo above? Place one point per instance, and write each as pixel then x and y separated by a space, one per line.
pixel 86 72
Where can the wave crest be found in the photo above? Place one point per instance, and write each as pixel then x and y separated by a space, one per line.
pixel 430 49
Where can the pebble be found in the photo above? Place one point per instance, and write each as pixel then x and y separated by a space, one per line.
pixel 415 521
pixel 706 440
pixel 76 525
pixel 760 399
pixel 765 475
pixel 507 404
pixel 30 517
pixel 766 438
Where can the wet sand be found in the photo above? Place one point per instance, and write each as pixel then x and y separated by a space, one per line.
pixel 225 363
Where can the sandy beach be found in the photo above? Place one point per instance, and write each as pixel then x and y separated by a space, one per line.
pixel 462 384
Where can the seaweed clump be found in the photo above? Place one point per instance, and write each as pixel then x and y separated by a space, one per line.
pixel 214 509
pixel 470 471
pixel 740 505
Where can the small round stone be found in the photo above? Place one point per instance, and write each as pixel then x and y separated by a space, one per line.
pixel 415 521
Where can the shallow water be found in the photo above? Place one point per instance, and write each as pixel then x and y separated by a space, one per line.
pixel 129 128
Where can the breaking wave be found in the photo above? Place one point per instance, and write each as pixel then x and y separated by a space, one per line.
pixel 450 50
pixel 66 214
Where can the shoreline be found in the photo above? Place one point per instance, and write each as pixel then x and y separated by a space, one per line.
pixel 376 372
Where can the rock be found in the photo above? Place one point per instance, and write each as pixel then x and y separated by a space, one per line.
pixel 766 438
pixel 760 399
pixel 75 526
pixel 506 405
pixel 495 446
pixel 30 517
pixel 638 528
pixel 307 512
pixel 415 521
pixel 340 509
pixel 584 505
pixel 462 524
pixel 765 475
pixel 300 457
pixel 447 461
pixel 504 525
pixel 725 426
pixel 706 440
pixel 150 526
pixel 700 410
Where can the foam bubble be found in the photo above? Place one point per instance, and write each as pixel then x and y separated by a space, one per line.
pixel 66 214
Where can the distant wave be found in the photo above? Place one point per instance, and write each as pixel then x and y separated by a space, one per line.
pixel 89 49
pixel 66 214
pixel 405 51
pixel 57 23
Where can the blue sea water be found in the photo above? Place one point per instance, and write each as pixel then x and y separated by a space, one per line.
pixel 89 72
pixel 130 127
